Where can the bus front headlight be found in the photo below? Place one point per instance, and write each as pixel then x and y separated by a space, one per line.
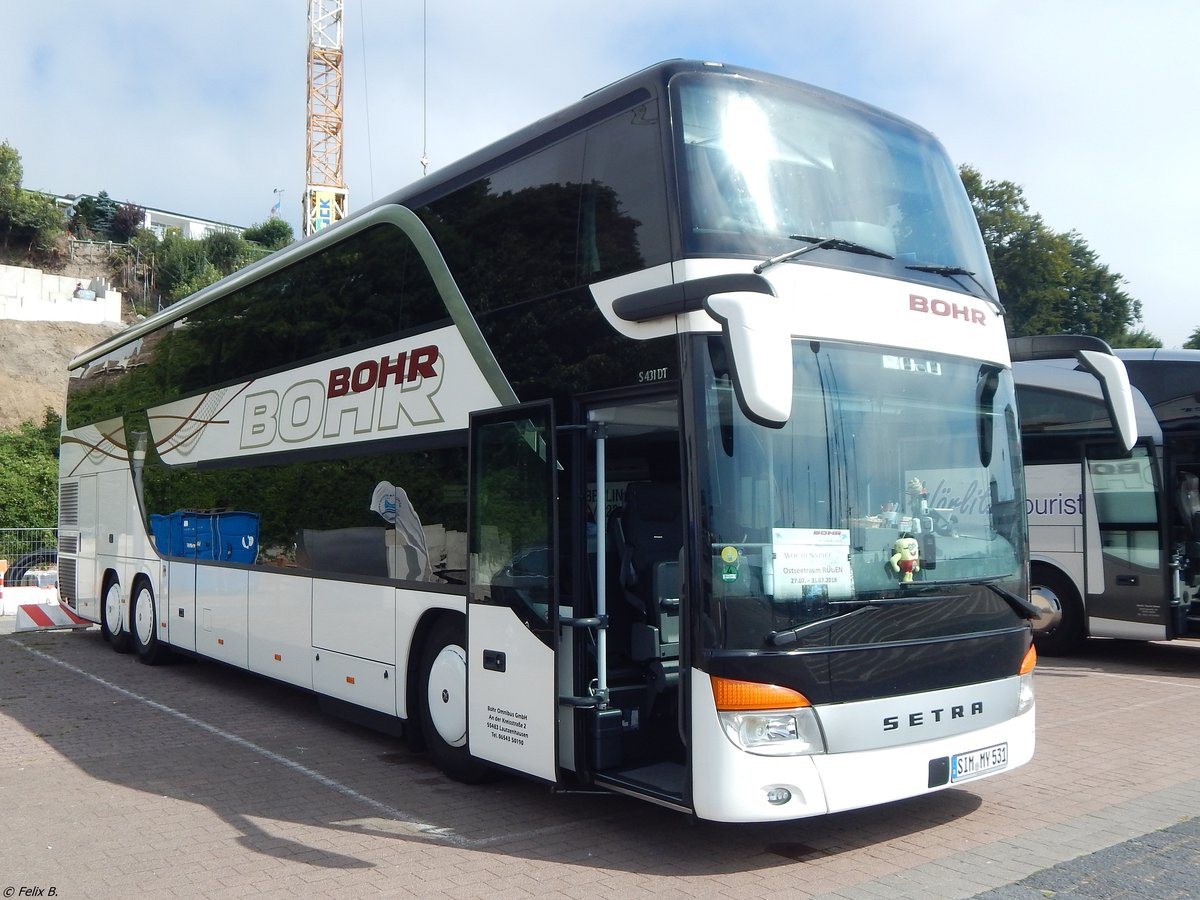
pixel 767 719
pixel 789 732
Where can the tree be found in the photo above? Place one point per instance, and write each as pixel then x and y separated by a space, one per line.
pixel 29 474
pixel 1193 343
pixel 225 250
pixel 94 216
pixel 182 266
pixel 1050 282
pixel 11 174
pixel 128 220
pixel 274 234
pixel 1139 338
pixel 25 216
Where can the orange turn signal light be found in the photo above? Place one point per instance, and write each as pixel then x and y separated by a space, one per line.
pixel 1029 661
pixel 731 695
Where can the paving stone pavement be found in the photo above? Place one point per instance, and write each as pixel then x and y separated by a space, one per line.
pixel 187 780
pixel 1163 864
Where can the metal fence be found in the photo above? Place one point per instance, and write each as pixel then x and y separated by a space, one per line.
pixel 28 548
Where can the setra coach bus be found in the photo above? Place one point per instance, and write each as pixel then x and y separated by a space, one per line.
pixel 1113 496
pixel 667 446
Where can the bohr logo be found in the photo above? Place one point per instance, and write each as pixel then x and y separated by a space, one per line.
pixel 376 395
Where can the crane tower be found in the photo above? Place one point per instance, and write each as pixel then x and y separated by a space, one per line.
pixel 325 190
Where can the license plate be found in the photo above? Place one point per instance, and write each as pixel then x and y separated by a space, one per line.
pixel 978 762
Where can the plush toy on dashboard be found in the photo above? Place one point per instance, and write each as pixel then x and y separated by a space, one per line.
pixel 906 556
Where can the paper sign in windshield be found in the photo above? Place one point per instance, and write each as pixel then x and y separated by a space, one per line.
pixel 811 564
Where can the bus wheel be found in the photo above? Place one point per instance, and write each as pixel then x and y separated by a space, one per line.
pixel 1059 629
pixel 444 703
pixel 144 617
pixel 111 626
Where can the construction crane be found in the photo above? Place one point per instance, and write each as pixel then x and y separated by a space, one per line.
pixel 325 190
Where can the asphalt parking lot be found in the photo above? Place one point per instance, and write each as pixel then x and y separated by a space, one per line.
pixel 119 779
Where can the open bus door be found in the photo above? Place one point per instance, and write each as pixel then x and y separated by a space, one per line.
pixel 512 609
pixel 635 552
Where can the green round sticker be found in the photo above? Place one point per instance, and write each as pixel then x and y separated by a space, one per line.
pixel 729 573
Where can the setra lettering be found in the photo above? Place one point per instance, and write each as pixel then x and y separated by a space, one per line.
pixel 921 718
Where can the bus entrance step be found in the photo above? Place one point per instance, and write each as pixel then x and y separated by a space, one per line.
pixel 664 780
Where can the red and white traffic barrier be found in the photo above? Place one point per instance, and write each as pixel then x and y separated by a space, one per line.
pixel 41 616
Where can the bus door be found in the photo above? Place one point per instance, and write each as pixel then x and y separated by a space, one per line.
pixel 1183 512
pixel 635 539
pixel 1136 586
pixel 512 606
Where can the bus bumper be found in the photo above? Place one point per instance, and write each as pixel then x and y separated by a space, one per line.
pixel 731 785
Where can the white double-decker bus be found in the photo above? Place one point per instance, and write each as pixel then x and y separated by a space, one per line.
pixel 1113 497
pixel 667 446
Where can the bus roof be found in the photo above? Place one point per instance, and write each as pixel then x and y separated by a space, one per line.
pixel 1159 355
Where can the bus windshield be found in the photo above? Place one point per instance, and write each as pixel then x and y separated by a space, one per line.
pixel 760 164
pixel 896 476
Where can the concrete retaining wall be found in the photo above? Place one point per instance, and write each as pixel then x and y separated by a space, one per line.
pixel 35 296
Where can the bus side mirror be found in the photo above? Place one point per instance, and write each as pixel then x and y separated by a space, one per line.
pixel 759 339
pixel 1118 395
pixel 1096 357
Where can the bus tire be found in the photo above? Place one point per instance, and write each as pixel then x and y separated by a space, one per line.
pixel 111 626
pixel 143 618
pixel 1060 629
pixel 443 698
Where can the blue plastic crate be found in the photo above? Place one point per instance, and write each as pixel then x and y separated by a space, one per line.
pixel 230 536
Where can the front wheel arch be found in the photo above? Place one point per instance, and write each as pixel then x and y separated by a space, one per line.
pixel 442 702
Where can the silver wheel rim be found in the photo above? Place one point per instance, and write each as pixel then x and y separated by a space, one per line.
pixel 1049 608
pixel 143 617
pixel 112 608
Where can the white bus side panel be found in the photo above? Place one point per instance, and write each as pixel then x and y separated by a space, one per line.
pixel 113 540
pixel 354 643
pixel 222 597
pixel 363 682
pixel 355 619
pixel 1126 631
pixel 177 601
pixel 280 620
pixel 87 577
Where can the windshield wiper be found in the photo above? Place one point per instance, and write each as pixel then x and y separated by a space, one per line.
pixel 954 272
pixel 819 243
pixel 1023 607
pixel 845 609
pixel 909 593
pixel 791 635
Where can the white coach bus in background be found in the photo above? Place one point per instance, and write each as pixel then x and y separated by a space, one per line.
pixel 1113 502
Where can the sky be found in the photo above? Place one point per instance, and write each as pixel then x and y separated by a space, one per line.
pixel 199 107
